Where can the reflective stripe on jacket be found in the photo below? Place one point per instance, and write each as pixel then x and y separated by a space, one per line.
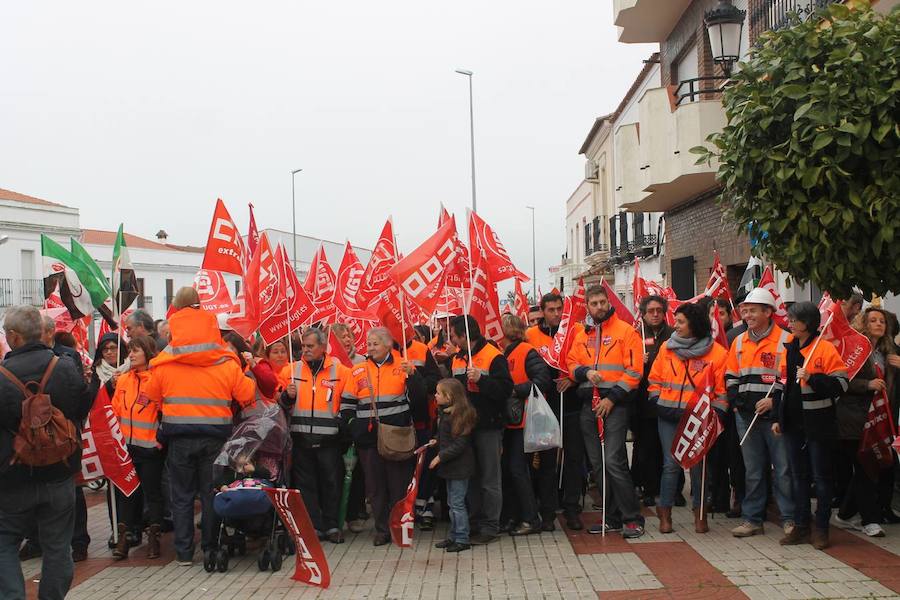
pixel 388 384
pixel 490 393
pixel 753 368
pixel 316 413
pixel 672 381
pixel 138 414
pixel 619 362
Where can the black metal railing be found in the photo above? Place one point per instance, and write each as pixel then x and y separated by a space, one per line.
pixel 587 239
pixel 706 88
pixel 771 15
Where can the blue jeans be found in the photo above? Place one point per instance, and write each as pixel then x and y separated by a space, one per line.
pixel 811 457
pixel 668 483
pixel 764 450
pixel 51 506
pixel 459 518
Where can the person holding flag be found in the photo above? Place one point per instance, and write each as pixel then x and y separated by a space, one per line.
pixel 680 368
pixel 875 379
pixel 806 416
pixel 313 399
pixel 139 421
pixel 606 356
pixel 753 380
pixel 484 371
pixel 379 396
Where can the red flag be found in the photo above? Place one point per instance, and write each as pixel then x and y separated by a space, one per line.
pixel 402 518
pixel 574 311
pixel 104 452
pixel 225 247
pixel 360 329
pixel 295 308
pixel 320 285
pixel 253 233
pixel 638 289
pixel 336 350
pixel 376 279
pixel 717 286
pixel 621 310
pixel 347 285
pixel 595 403
pixel 458 272
pixel 767 281
pixel 719 334
pixel 482 237
pixel 311 566
pixel 246 315
pixel 521 303
pixel 443 216
pixel 483 302
pixel 451 302
pixel 699 426
pixel 421 274
pixel 391 316
pixel 874 451
pixel 213 291
pixel 853 346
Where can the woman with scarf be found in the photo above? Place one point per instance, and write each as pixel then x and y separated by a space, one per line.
pixel 139 420
pixel 681 368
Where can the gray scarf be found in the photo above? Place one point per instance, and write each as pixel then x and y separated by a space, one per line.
pixel 687 348
pixel 755 337
pixel 105 371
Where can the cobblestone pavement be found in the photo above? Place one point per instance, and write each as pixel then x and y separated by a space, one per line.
pixel 562 564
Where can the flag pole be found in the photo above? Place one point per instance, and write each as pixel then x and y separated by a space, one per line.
pixel 119 344
pixel 402 298
pixel 703 487
pixel 471 293
pixel 603 461
pixel 816 343
pixel 560 453
pixel 113 511
pixel 756 416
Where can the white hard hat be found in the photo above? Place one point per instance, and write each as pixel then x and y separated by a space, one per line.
pixel 222 318
pixel 760 296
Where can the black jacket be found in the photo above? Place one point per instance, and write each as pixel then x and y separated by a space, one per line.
pixel 819 424
pixel 60 350
pixel 68 393
pixel 652 341
pixel 571 402
pixel 853 407
pixel 430 374
pixel 457 455
pixel 493 389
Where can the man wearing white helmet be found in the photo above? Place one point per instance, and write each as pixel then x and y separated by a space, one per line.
pixel 753 377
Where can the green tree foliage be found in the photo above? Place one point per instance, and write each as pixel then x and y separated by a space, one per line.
pixel 809 158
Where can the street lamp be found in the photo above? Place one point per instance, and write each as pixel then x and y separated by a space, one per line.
pixel 725 26
pixel 294 215
pixel 533 258
pixel 471 130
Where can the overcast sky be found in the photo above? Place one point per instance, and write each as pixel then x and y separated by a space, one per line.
pixel 144 115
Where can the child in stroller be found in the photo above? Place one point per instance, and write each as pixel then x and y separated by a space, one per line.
pixel 252 459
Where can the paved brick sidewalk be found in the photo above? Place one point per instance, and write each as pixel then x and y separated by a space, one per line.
pixel 557 565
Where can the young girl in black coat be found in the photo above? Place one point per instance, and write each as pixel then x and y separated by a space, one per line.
pixel 455 461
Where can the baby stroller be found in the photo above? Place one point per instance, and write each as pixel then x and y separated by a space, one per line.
pixel 254 457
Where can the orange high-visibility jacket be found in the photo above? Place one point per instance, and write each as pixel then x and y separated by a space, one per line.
pixel 753 368
pixel 392 391
pixel 619 361
pixel 315 415
pixel 817 394
pixel 195 378
pixel 672 381
pixel 539 338
pixel 138 414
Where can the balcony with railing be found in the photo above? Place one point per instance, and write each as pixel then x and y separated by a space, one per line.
pixel 766 15
pixel 21 291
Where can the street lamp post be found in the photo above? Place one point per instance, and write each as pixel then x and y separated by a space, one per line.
pixel 471 131
pixel 294 216
pixel 533 258
pixel 725 24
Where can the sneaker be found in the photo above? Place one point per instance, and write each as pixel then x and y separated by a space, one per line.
pixel 548 523
pixel 524 528
pixel 820 539
pixel 873 530
pixel 794 534
pixel 444 544
pixel 356 526
pixel 381 539
pixel 426 524
pixel 335 536
pixel 611 527
pixel 851 523
pixel 747 529
pixel 457 547
pixel 632 530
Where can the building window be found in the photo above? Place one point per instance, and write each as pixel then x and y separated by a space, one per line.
pixel 237 287
pixel 587 239
pixel 140 291
pixel 685 72
pixel 170 292
pixel 683 277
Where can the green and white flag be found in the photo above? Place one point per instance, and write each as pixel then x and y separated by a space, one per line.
pixel 124 281
pixel 101 294
pixel 78 287
pixel 751 274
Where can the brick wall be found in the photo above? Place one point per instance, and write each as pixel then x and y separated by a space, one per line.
pixel 697 229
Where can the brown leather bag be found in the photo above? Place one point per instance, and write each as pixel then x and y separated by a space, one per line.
pixel 45 436
pixel 395 442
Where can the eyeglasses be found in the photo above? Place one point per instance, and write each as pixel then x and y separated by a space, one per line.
pixel 654 311
pixel 109 349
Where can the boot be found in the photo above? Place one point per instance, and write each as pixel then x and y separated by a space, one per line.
pixel 819 538
pixel 665 519
pixel 153 541
pixel 120 552
pixel 700 524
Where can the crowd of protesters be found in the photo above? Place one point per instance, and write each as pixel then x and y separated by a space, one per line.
pixel 179 386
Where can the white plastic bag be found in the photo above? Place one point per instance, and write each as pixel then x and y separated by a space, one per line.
pixel 541 426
